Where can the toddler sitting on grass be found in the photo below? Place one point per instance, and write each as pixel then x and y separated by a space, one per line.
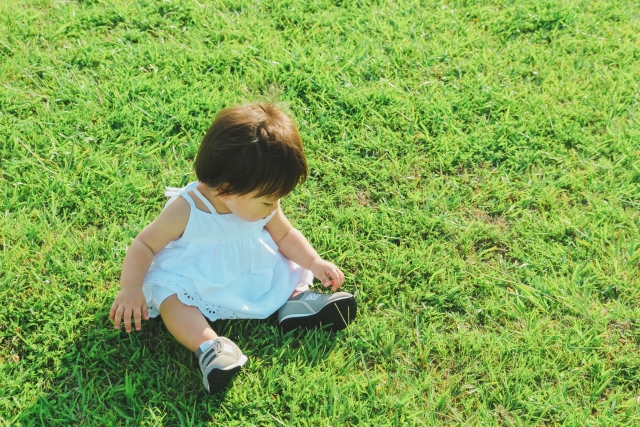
pixel 223 249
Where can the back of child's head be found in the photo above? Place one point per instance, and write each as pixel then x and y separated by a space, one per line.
pixel 249 148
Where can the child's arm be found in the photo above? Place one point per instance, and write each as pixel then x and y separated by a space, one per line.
pixel 293 245
pixel 169 226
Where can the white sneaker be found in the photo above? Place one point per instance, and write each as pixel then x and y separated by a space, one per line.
pixel 312 309
pixel 219 363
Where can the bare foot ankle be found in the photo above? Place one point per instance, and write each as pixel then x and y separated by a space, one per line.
pixel 294 294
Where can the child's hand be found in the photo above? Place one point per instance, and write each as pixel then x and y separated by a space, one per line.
pixel 126 303
pixel 327 273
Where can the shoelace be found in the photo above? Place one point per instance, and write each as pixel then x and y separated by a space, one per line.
pixel 216 348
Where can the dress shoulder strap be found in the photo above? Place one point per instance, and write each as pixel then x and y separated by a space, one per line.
pixel 189 199
pixel 173 193
pixel 204 200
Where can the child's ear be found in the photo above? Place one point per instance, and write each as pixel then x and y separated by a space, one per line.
pixel 221 193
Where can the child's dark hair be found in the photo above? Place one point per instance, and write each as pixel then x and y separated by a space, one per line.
pixel 253 147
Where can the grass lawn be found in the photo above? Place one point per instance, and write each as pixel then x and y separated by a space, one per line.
pixel 474 170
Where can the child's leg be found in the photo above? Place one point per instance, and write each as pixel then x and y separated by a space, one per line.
pixel 186 323
pixel 219 358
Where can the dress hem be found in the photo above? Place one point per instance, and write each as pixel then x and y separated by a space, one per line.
pixel 212 312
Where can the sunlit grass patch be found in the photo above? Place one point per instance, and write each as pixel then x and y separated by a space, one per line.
pixel 474 170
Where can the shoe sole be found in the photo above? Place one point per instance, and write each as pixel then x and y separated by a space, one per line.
pixel 334 317
pixel 219 378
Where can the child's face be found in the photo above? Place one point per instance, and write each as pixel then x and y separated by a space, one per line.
pixel 248 207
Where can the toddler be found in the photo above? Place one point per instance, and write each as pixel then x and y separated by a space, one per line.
pixel 223 249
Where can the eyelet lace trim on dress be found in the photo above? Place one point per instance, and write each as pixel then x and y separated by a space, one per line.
pixel 187 295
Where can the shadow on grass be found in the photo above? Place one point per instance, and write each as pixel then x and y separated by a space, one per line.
pixel 110 377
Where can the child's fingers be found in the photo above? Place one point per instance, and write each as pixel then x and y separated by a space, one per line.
pixel 337 281
pixel 334 281
pixel 324 279
pixel 145 311
pixel 112 312
pixel 338 278
pixel 127 320
pixel 118 317
pixel 136 318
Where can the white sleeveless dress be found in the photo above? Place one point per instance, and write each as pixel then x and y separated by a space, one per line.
pixel 226 267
